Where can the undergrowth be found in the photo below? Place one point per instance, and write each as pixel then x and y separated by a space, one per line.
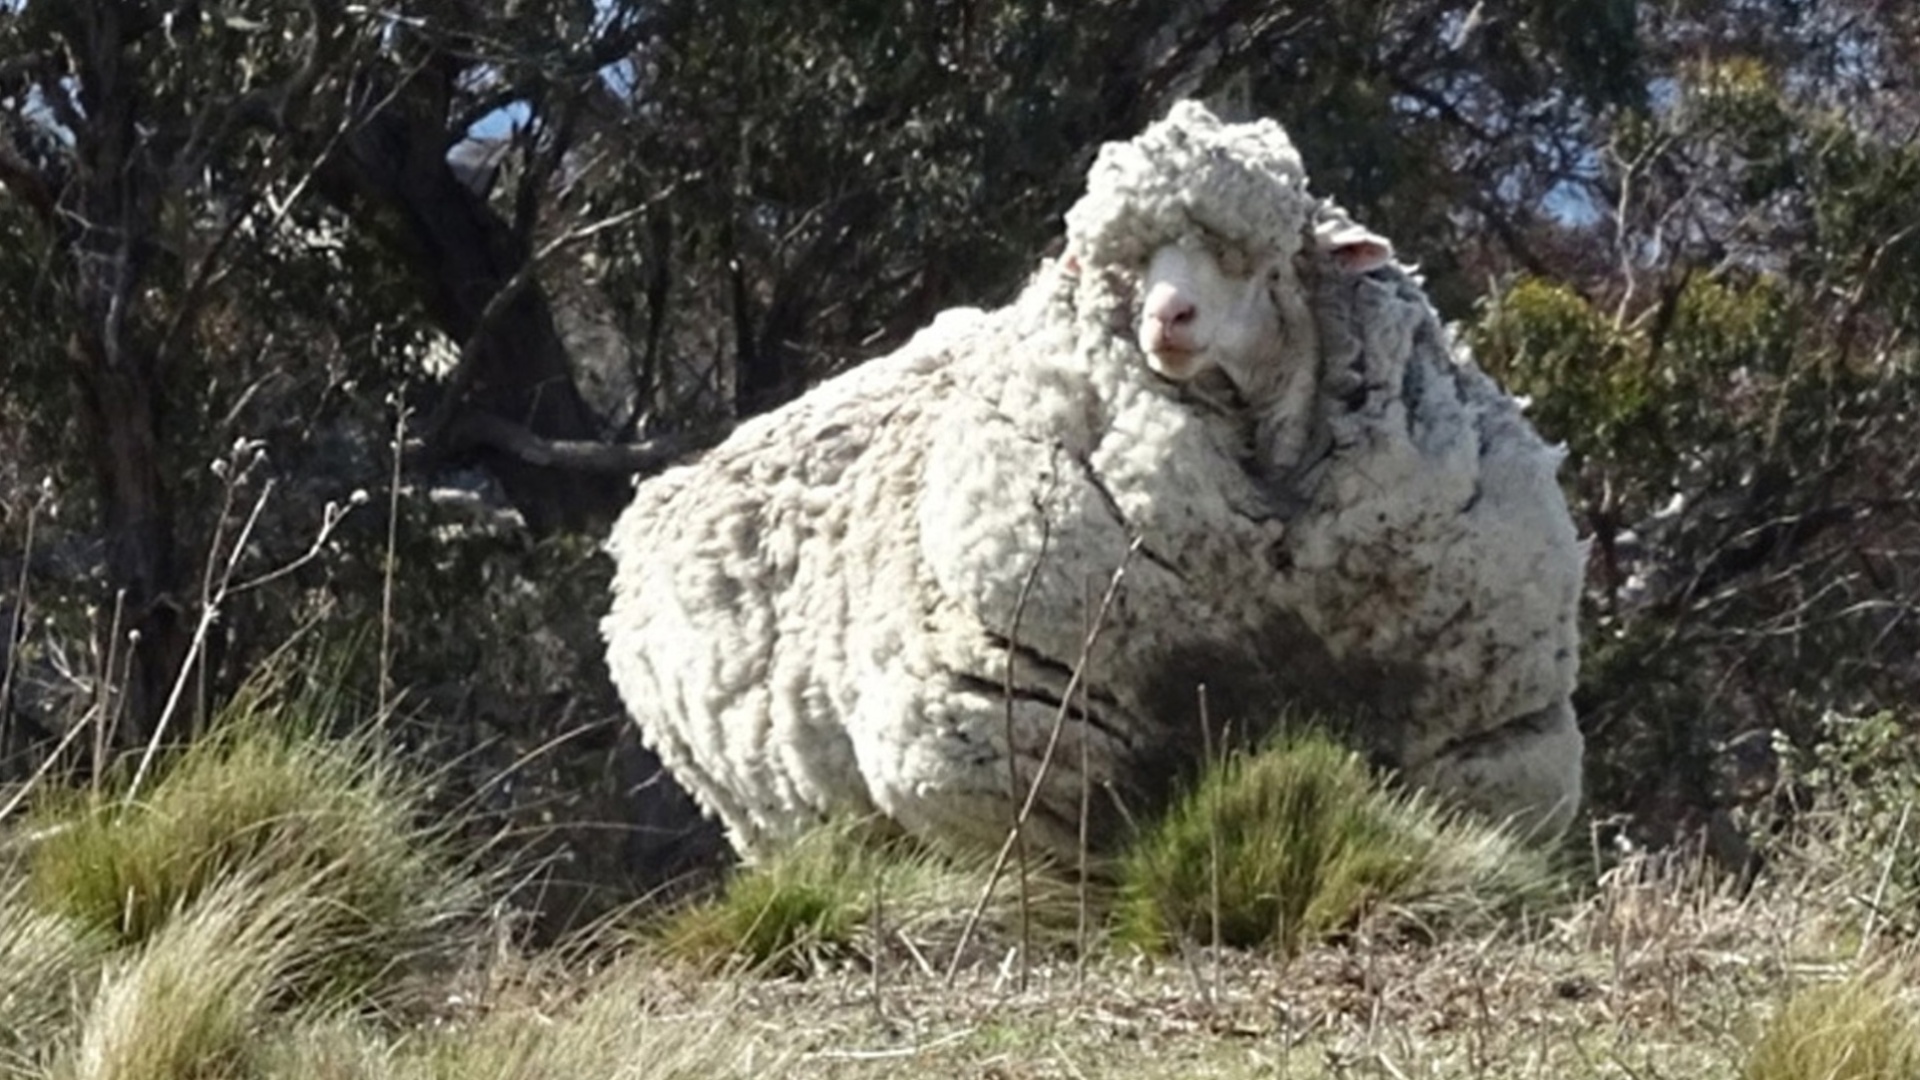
pixel 846 889
pixel 258 910
pixel 272 797
pixel 1858 1029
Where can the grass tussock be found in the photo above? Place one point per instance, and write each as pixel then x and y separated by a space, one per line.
pixel 1284 846
pixel 1858 1029
pixel 43 959
pixel 268 797
pixel 814 903
pixel 188 1001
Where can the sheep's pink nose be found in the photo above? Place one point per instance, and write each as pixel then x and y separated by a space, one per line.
pixel 1168 325
pixel 1169 306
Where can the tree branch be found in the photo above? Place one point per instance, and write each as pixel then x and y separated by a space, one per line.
pixel 575 455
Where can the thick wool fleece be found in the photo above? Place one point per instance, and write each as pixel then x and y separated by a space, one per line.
pixel 1439 544
pixel 875 598
pixel 1192 176
pixel 819 615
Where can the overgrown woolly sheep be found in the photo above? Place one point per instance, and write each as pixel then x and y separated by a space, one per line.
pixel 875 599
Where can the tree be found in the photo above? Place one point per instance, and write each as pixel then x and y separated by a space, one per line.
pixel 1731 379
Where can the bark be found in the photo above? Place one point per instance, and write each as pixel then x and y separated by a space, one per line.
pixel 105 221
pixel 121 417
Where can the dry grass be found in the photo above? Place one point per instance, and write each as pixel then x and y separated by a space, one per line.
pixel 1858 1029
pixel 849 893
pixel 271 798
pixel 181 936
pixel 625 1023
pixel 188 1001
pixel 42 958
pixel 1663 971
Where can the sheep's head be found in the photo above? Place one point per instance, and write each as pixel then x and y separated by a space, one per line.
pixel 1202 309
pixel 1208 305
pixel 1209 219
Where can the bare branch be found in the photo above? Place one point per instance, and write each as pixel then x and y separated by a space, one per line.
pixel 575 455
pixel 435 428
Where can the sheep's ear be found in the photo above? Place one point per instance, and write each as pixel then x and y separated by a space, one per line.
pixel 1362 256
pixel 1354 248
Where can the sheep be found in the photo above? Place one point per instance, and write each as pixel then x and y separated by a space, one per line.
pixel 878 599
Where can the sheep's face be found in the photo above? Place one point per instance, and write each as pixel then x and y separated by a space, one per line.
pixel 1208 306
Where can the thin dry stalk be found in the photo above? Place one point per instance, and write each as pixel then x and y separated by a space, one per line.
pixel 877 932
pixel 209 608
pixel 45 766
pixel 387 565
pixel 1213 845
pixel 1878 904
pixel 1046 758
pixel 15 624
pixel 1082 914
pixel 106 702
pixel 214 599
pixel 1013 771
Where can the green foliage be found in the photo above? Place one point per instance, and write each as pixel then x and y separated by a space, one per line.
pixel 1282 847
pixel 1860 1029
pixel 267 798
pixel 1633 404
pixel 1544 340
pixel 1860 780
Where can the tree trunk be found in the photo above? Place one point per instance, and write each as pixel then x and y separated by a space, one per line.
pixel 393 176
pixel 107 215
pixel 120 416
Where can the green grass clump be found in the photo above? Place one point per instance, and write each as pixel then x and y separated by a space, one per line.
pixel 813 902
pixel 1859 1029
pixel 266 796
pixel 189 1001
pixel 1299 840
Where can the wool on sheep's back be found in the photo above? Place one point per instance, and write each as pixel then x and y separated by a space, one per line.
pixel 819 615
